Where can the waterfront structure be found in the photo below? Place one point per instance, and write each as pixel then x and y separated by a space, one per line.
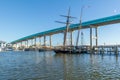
pixel 3 44
pixel 31 39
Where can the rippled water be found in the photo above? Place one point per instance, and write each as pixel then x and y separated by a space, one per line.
pixel 50 66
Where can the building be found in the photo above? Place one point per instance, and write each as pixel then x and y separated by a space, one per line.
pixel 3 45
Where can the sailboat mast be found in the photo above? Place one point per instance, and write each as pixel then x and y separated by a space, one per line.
pixel 67 28
pixel 79 27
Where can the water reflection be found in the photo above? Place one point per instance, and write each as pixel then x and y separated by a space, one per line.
pixel 50 66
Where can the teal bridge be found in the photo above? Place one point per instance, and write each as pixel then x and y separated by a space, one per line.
pixel 89 24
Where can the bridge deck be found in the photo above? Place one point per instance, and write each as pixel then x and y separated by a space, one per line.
pixel 98 22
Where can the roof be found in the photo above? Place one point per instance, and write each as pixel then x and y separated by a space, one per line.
pixel 98 22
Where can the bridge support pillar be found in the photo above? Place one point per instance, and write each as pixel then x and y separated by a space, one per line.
pixel 40 41
pixel 18 45
pixel 35 42
pixel 32 42
pixel 50 41
pixel 15 46
pixel 90 39
pixel 21 44
pixel 96 35
pixel 27 43
pixel 45 41
pixel 71 36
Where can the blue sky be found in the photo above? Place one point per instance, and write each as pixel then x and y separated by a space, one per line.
pixel 19 18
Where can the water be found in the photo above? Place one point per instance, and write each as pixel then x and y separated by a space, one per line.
pixel 50 66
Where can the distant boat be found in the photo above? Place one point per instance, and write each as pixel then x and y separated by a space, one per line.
pixel 62 51
pixel 9 49
pixel 71 51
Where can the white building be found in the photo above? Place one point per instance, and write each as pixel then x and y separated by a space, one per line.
pixel 3 45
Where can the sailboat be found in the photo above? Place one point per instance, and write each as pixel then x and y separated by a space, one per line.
pixel 65 49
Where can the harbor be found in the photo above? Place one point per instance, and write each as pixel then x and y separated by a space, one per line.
pixel 33 42
pixel 59 40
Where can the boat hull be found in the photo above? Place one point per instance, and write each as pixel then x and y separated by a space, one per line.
pixel 62 51
pixel 69 52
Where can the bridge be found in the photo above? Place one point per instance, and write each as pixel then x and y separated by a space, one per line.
pixel 31 39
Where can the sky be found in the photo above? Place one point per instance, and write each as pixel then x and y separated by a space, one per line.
pixel 20 18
